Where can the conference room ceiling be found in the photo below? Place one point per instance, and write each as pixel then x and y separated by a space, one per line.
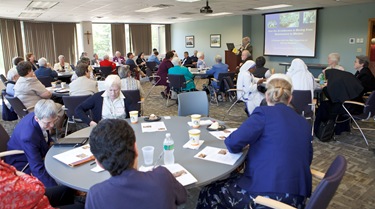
pixel 124 11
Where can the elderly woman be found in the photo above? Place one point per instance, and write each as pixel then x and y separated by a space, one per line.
pixel 128 82
pixel 201 63
pixel 301 77
pixel 84 60
pixel 278 159
pixel 13 76
pixel 333 61
pixel 106 63
pixel 248 84
pixel 118 58
pixel 62 66
pixel 96 60
pixel 32 135
pixel 108 104
pixel 141 62
pixel 30 57
pixel 182 70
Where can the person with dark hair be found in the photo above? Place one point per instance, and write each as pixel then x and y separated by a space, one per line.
pixel 83 85
pixel 187 61
pixel 128 82
pixel 141 62
pixel 260 70
pixel 133 67
pixel 163 72
pixel 96 60
pixel 194 57
pixel 364 73
pixel 154 58
pixel 13 70
pixel 31 58
pixel 114 147
pixel 84 60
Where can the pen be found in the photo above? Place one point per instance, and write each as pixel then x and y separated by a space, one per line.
pixel 93 163
pixel 157 161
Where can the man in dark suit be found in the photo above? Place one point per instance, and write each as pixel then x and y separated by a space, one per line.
pixel 187 61
pixel 44 71
pixel 194 57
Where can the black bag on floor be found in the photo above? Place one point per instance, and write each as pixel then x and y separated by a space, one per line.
pixel 326 130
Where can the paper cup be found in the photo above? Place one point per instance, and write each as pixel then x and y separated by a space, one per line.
pixel 148 155
pixel 196 119
pixel 194 135
pixel 53 84
pixel 133 116
pixel 63 85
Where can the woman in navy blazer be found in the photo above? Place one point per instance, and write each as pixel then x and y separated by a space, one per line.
pixel 278 159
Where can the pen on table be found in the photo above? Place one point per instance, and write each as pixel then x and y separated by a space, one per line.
pixel 93 163
pixel 157 161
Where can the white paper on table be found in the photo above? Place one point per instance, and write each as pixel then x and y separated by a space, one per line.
pixel 222 135
pixel 218 155
pixel 97 169
pixel 76 156
pixel 190 146
pixel 202 122
pixel 185 178
pixel 153 127
pixel 145 168
pixel 167 117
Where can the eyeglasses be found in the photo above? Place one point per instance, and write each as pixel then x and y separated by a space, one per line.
pixel 48 122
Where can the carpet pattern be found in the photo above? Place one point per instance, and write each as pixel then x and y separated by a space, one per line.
pixel 357 190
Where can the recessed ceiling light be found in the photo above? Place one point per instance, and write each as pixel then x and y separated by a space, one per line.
pixel 188 0
pixel 29 15
pixel 278 6
pixel 42 4
pixel 218 14
pixel 149 9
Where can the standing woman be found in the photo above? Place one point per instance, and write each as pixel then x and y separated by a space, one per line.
pixel 141 62
pixel 278 158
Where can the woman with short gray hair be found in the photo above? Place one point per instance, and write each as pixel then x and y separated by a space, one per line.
pixel 333 61
pixel 128 82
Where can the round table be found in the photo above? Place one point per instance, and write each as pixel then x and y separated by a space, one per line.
pixel 82 178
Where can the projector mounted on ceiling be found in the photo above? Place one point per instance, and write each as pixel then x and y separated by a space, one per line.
pixel 207 9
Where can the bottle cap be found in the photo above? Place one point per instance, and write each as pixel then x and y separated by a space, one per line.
pixel 168 134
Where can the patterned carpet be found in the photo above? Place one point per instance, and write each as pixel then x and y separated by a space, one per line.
pixel 357 190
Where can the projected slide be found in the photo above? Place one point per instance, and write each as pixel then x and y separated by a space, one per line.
pixel 290 33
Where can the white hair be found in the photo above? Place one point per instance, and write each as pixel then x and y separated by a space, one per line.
pixel 112 80
pixel 176 61
pixel 11 74
pixel 105 57
pixel 335 57
pixel 200 54
pixel 42 61
pixel 45 108
pixel 218 58
pixel 61 57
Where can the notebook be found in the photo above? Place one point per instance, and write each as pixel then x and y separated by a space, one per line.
pixel 76 142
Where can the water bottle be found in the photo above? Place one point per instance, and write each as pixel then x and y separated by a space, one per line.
pixel 168 147
pixel 321 80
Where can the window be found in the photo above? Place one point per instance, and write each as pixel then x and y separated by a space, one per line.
pixel 102 39
pixel 158 38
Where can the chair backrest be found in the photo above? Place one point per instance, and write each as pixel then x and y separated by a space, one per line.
pixel 151 65
pixel 223 75
pixel 3 79
pixel 105 71
pixel 301 100
pixel 71 102
pixel 327 187
pixel 4 138
pixel 370 105
pixel 18 106
pixel 134 97
pixel 45 80
pixel 176 82
pixel 194 102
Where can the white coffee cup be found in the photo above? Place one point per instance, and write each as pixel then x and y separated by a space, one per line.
pixel 196 119
pixel 148 155
pixel 53 84
pixel 63 85
pixel 133 116
pixel 194 135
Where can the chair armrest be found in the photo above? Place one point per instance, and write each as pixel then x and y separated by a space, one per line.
pixel 234 90
pixel 214 79
pixel 271 203
pixel 317 174
pixel 355 103
pixel 11 152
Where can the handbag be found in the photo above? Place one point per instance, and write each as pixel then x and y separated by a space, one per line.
pixel 326 130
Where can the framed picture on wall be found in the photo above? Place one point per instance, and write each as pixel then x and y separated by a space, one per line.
pixel 215 40
pixel 189 41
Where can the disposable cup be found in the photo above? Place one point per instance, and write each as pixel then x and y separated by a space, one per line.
pixel 194 135
pixel 133 116
pixel 148 155
pixel 196 119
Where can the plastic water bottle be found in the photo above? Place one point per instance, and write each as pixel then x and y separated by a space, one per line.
pixel 322 79
pixel 168 147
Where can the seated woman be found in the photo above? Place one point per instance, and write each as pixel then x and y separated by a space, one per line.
pixel 301 77
pixel 201 64
pixel 260 70
pixel 364 74
pixel 182 70
pixel 278 160
pixel 86 61
pixel 128 82
pixel 249 86
pixel 113 145
pixel 141 62
pixel 108 104
pixel 333 62
pixel 32 135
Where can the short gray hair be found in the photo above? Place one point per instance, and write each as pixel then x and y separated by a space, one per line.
pixel 45 108
pixel 248 54
pixel 123 71
pixel 42 61
pixel 11 74
pixel 218 58
pixel 200 54
pixel 112 80
pixel 176 61
pixel 60 57
pixel 105 57
pixel 334 57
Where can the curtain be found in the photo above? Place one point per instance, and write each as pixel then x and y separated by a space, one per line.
pixel 140 38
pixel 65 41
pixel 39 40
pixel 10 32
pixel 168 37
pixel 118 38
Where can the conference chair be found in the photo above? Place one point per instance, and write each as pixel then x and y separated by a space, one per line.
pixel 45 80
pixel 134 98
pixel 18 106
pixel 152 66
pixel 154 80
pixel 194 102
pixel 304 105
pixel 235 95
pixel 3 79
pixel 176 84
pixel 105 71
pixel 323 192
pixel 70 103
pixel 368 113
pixel 215 93
pixel 4 138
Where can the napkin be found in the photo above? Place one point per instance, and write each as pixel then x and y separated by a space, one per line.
pixel 145 168
pixel 97 169
pixel 202 122
pixel 188 145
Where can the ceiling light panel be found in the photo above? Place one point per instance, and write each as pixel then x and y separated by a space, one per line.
pixel 42 4
pixel 278 6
